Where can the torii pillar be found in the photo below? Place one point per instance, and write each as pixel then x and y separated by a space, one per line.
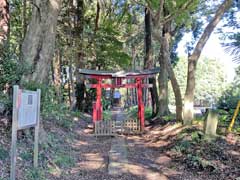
pixel 140 102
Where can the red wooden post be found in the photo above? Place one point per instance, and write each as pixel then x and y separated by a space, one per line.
pixel 140 103
pixel 98 102
pixel 94 113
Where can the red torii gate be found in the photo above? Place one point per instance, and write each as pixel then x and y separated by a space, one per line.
pixel 138 76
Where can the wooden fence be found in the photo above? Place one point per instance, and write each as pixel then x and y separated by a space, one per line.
pixel 131 126
pixel 105 128
pixel 111 127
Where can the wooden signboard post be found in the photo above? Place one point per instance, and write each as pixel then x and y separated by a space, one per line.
pixel 26 114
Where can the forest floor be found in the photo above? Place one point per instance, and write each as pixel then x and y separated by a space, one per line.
pixel 165 151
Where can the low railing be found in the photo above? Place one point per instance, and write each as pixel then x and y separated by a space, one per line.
pixel 105 128
pixel 130 126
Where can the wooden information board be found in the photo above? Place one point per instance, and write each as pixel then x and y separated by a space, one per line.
pixel 26 114
pixel 28 107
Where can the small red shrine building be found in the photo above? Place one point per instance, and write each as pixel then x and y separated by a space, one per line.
pixel 117 77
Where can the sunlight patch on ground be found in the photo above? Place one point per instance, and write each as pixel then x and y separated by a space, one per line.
pixel 54 170
pixel 159 143
pixel 163 160
pixel 92 161
pixel 172 128
pixel 78 143
pixel 144 172
pixel 235 153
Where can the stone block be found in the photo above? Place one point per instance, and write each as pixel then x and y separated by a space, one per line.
pixel 210 123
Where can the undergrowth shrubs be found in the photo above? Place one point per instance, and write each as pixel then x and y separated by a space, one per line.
pixel 196 151
pixel 62 159
pixel 35 174
pixel 133 111
pixel 107 115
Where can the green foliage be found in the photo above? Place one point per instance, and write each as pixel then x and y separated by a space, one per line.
pixel 133 111
pixel 10 71
pixel 106 103
pixel 210 80
pixel 148 113
pixel 230 33
pixel 196 137
pixel 233 47
pixel 224 116
pixel 182 146
pixel 63 160
pixel 6 101
pixel 25 155
pixel 228 102
pixel 231 95
pixel 109 52
pixel 11 68
pixel 35 174
pixel 3 154
pixel 107 115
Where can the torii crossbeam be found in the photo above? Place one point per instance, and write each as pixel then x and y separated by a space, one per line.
pixel 138 76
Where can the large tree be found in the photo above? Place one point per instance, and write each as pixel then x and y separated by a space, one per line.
pixel 167 17
pixel 193 59
pixel 149 62
pixel 79 61
pixel 39 42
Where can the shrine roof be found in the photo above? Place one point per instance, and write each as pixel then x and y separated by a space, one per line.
pixel 116 74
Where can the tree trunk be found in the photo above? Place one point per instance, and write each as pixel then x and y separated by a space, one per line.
pixel 56 63
pixel 154 97
pixel 163 85
pixel 148 62
pixel 71 43
pixel 24 18
pixel 133 90
pixel 163 76
pixel 4 20
pixel 80 86
pixel 39 42
pixel 176 89
pixel 188 114
pixel 97 17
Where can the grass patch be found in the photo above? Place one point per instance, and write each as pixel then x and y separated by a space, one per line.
pixel 35 174
pixel 63 160
pixel 26 155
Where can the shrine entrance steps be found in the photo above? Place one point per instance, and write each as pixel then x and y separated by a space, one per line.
pixel 118 156
pixel 118 153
